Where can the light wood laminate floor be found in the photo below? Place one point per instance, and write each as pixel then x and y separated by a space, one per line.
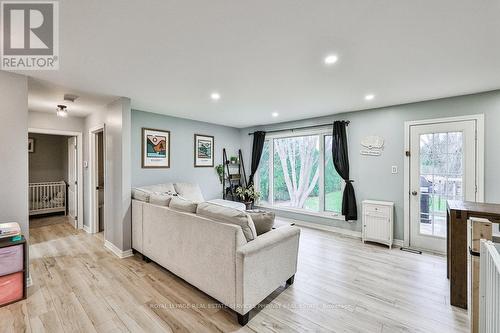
pixel 341 286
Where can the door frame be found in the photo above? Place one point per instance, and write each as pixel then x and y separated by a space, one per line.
pixel 94 207
pixel 479 118
pixel 79 177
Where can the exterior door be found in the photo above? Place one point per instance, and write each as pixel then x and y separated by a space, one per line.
pixel 442 167
pixel 72 180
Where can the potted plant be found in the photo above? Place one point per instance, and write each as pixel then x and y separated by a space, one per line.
pixel 248 195
pixel 220 171
pixel 234 159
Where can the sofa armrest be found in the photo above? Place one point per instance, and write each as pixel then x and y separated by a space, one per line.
pixel 264 264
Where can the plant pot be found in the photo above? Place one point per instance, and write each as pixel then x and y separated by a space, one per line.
pixel 249 205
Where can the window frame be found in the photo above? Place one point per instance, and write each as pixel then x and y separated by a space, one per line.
pixel 321 132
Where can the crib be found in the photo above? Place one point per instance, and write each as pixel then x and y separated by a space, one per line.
pixel 47 197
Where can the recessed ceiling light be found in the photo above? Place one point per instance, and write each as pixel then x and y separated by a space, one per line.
pixel 331 59
pixel 275 114
pixel 369 97
pixel 215 96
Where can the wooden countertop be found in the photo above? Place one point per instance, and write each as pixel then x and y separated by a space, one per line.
pixel 473 207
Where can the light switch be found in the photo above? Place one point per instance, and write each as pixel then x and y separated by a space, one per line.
pixel 394 169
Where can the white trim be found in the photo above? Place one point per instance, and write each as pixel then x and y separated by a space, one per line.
pixel 93 211
pixel 29 281
pixel 86 228
pixel 116 251
pixel 337 230
pixel 324 214
pixel 333 229
pixel 79 147
pixel 398 242
pixel 321 132
pixel 479 118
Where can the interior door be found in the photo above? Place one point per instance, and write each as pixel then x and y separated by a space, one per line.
pixel 72 180
pixel 442 167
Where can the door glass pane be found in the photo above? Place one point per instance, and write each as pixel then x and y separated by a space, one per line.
pixel 441 178
pixel 333 182
pixel 263 174
pixel 296 172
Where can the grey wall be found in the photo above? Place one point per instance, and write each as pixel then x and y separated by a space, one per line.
pixel 182 151
pixel 14 149
pixel 49 161
pixel 372 175
pixel 117 201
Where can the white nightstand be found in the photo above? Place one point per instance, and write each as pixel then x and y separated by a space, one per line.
pixel 378 222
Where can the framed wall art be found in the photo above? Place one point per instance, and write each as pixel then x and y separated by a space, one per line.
pixel 203 150
pixel 155 148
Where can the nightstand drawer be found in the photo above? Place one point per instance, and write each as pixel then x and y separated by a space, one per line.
pixel 11 288
pixel 377 210
pixel 11 259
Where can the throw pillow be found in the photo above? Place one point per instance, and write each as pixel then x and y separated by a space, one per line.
pixel 141 195
pixel 160 199
pixel 189 191
pixel 228 215
pixel 183 205
pixel 263 220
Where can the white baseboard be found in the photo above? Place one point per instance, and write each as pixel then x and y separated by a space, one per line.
pixel 398 242
pixel 119 253
pixel 337 230
pixel 86 228
pixel 346 232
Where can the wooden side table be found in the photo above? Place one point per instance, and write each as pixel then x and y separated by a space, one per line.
pixel 13 269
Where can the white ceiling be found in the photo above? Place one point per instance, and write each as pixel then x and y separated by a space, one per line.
pixel 44 97
pixel 267 55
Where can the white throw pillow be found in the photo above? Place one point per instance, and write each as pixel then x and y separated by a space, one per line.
pixel 262 220
pixel 189 191
pixel 160 199
pixel 160 188
pixel 140 194
pixel 183 205
pixel 228 215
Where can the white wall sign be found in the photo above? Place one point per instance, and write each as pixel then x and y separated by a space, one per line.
pixel 372 145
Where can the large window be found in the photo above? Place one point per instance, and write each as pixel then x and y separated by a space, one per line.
pixel 297 173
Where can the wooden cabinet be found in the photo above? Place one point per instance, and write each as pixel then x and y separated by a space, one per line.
pixel 378 222
pixel 13 270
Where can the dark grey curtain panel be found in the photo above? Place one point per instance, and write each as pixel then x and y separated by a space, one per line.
pixel 341 163
pixel 259 138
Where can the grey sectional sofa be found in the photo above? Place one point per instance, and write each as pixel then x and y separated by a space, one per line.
pixel 221 258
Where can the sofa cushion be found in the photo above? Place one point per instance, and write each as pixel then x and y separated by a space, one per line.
pixel 262 220
pixel 228 215
pixel 183 205
pixel 140 194
pixel 160 188
pixel 189 191
pixel 160 199
pixel 231 204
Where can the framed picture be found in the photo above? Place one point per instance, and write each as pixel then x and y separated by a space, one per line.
pixel 155 148
pixel 203 151
pixel 31 145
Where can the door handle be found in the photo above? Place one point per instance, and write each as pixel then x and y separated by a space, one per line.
pixel 414 193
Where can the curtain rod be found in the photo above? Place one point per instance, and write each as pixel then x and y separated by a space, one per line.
pixel 300 128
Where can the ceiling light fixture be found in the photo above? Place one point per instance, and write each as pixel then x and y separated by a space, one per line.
pixel 215 96
pixel 331 59
pixel 62 111
pixel 275 114
pixel 369 97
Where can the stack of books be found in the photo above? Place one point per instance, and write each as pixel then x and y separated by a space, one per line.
pixel 9 229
